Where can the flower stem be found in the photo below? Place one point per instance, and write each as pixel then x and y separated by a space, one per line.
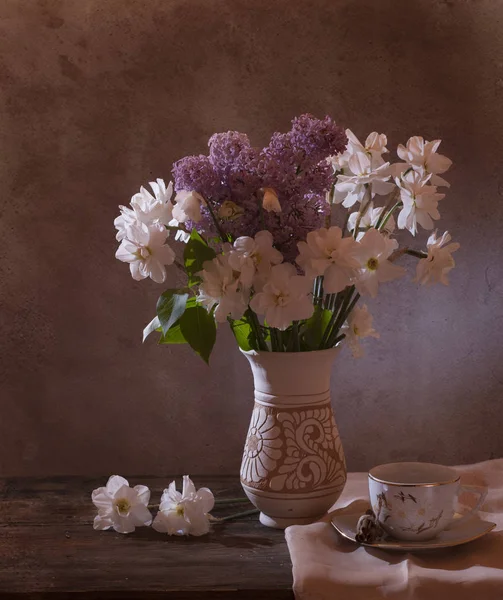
pixel 295 336
pixel 222 234
pixel 382 225
pixel 416 253
pixel 344 314
pixel 257 330
pixel 337 303
pixel 180 267
pixel 230 500
pixel 245 513
pixel 362 212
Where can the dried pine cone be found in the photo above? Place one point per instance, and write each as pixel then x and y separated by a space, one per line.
pixel 368 529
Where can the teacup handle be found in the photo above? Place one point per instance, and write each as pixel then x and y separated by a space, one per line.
pixel 477 491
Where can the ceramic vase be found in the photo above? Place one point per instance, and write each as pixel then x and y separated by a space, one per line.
pixel 293 466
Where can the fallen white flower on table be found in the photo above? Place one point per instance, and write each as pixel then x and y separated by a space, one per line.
pixel 284 297
pixel 145 250
pixel 184 513
pixel 326 252
pixel 375 268
pixel 121 507
pixel 434 267
pixel 358 326
pixel 187 207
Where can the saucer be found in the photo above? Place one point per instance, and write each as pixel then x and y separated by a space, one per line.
pixel 467 531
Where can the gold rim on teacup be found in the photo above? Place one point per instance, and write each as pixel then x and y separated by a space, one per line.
pixel 416 485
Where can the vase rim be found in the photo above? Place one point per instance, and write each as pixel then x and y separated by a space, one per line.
pixel 268 353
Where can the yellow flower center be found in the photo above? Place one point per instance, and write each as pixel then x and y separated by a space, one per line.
pixel 281 300
pixel 123 506
pixel 372 264
pixel 143 253
pixel 180 511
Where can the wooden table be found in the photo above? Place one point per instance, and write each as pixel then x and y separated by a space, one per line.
pixel 48 548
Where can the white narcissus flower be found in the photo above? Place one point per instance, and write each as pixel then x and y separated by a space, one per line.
pixel 374 147
pixel 270 201
pixel 188 206
pixel 253 258
pixel 326 252
pixel 374 250
pixel 145 250
pixel 420 202
pixel 434 268
pixel 222 287
pixel 353 188
pixel 422 156
pixel 370 219
pixel 358 326
pixel 184 513
pixel 121 507
pixel 284 297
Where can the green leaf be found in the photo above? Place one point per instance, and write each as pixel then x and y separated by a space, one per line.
pixel 200 330
pixel 195 254
pixel 170 307
pixel 173 336
pixel 152 326
pixel 315 326
pixel 243 333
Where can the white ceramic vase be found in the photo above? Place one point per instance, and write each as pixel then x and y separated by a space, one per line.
pixel 293 466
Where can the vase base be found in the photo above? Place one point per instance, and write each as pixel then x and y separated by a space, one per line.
pixel 283 523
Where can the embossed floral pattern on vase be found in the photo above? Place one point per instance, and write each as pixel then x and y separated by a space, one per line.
pixel 302 450
pixel 263 446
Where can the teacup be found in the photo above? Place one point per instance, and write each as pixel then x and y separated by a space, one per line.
pixel 416 501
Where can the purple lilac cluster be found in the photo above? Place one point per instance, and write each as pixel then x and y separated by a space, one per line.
pixel 293 164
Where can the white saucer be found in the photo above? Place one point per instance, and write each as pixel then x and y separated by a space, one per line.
pixel 467 531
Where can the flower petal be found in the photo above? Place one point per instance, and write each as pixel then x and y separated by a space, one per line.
pixel 115 483
pixel 206 498
pixel 102 523
pixel 188 487
pixel 140 515
pixel 143 494
pixel 101 498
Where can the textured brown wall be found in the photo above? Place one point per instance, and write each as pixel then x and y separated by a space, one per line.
pixel 99 96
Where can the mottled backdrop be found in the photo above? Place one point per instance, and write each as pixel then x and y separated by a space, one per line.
pixel 99 96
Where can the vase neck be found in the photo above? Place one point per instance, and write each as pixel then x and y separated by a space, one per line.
pixel 292 374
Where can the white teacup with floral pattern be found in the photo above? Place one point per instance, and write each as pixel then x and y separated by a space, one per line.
pixel 416 501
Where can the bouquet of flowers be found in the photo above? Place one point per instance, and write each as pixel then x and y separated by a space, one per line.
pixel 261 251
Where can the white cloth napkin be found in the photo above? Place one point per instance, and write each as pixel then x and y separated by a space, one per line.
pixel 327 567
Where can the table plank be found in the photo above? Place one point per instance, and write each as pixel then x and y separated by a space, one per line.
pixel 48 548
